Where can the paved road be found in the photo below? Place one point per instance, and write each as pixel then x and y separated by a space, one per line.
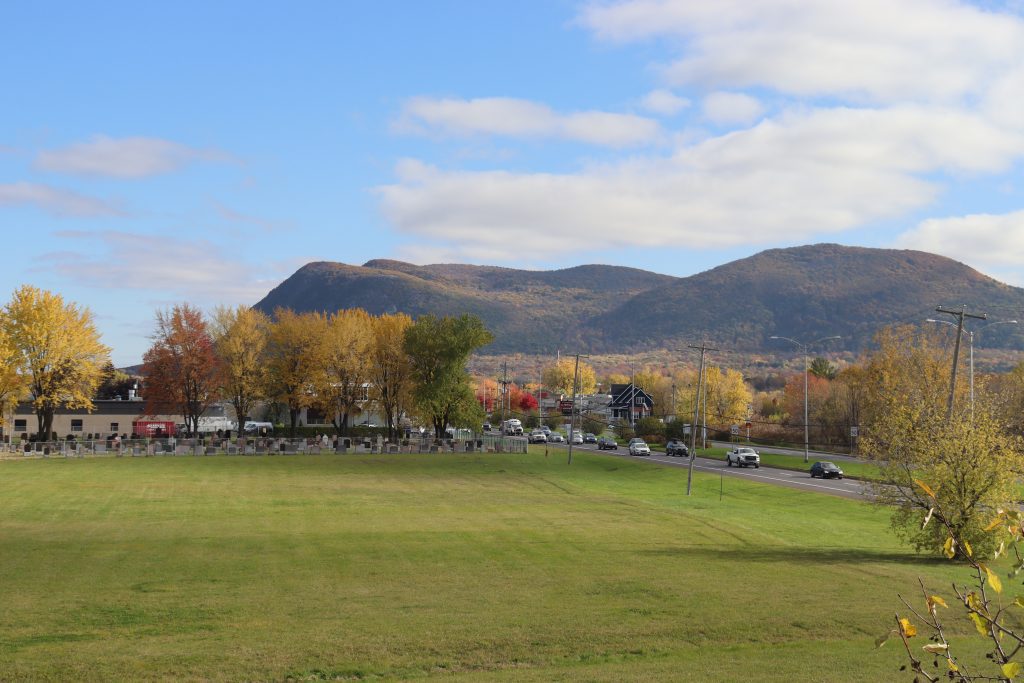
pixel 814 455
pixel 847 488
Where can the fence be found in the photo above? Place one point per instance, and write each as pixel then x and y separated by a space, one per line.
pixel 482 443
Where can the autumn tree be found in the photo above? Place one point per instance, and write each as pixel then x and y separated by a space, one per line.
pixel 390 368
pixel 558 378
pixel 294 360
pixel 438 350
pixel 181 369
pixel 347 344
pixel 240 340
pixel 56 349
pixel 971 463
pixel 13 383
pixel 728 396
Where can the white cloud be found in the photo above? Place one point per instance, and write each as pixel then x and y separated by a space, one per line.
pixel 196 270
pixel 54 200
pixel 135 157
pixel 803 174
pixel 664 102
pixel 732 108
pixel 524 119
pixel 993 242
pixel 871 51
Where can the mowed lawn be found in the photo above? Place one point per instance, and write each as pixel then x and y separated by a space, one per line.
pixel 483 567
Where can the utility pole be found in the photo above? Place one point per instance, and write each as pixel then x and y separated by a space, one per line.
pixel 959 315
pixel 704 348
pixel 632 396
pixel 572 413
pixel 504 392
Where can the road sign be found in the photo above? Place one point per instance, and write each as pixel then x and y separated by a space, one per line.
pixel 734 430
pixel 854 432
pixel 565 407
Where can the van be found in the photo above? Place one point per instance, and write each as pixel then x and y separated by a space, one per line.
pixel 259 428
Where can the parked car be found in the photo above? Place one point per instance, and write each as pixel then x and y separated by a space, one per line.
pixel 555 437
pixel 742 456
pixel 639 447
pixel 589 438
pixel 677 447
pixel 826 470
pixel 545 429
pixel 537 436
pixel 606 443
pixel 487 426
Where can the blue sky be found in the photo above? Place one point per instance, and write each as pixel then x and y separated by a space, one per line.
pixel 157 153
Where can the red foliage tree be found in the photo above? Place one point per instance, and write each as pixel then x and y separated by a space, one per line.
pixel 181 368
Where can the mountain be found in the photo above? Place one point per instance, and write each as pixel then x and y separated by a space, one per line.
pixel 801 292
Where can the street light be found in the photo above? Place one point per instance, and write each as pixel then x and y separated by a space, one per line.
pixel 970 339
pixel 803 347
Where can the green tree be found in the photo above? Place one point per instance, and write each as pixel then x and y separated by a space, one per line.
pixel 56 349
pixel 438 349
pixel 821 367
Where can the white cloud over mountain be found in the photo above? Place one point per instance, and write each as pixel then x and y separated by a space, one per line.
pixel 877 108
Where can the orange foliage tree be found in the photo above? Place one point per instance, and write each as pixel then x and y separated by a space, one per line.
pixel 181 367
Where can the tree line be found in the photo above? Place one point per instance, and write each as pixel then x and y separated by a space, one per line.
pixel 338 363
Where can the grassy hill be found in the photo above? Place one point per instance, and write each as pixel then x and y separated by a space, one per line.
pixel 801 292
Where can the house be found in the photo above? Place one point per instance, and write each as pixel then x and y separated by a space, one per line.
pixel 108 417
pixel 630 403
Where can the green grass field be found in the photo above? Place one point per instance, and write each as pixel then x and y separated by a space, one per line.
pixel 482 567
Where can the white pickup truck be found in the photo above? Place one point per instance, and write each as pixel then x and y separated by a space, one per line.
pixel 742 456
pixel 513 427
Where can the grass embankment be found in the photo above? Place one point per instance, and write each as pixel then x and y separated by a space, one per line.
pixel 496 567
pixel 855 469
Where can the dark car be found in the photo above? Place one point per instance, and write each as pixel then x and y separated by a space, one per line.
pixel 589 438
pixel 607 444
pixel 826 470
pixel 677 447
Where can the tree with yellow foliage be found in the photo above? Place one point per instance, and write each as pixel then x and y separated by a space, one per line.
pixel 342 390
pixel 240 339
pixel 294 360
pixel 391 369
pixel 972 463
pixel 56 348
pixel 559 377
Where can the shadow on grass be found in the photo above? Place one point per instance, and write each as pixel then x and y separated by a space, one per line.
pixel 784 554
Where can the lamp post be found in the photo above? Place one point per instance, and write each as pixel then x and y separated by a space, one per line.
pixel 803 348
pixel 970 343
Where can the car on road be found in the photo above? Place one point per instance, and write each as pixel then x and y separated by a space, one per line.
pixel 677 447
pixel 556 437
pixel 826 470
pixel 537 436
pixel 487 426
pixel 545 429
pixel 577 439
pixel 606 443
pixel 589 438
pixel 742 456
pixel 639 447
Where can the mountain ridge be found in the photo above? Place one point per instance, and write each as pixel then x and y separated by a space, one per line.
pixel 802 292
